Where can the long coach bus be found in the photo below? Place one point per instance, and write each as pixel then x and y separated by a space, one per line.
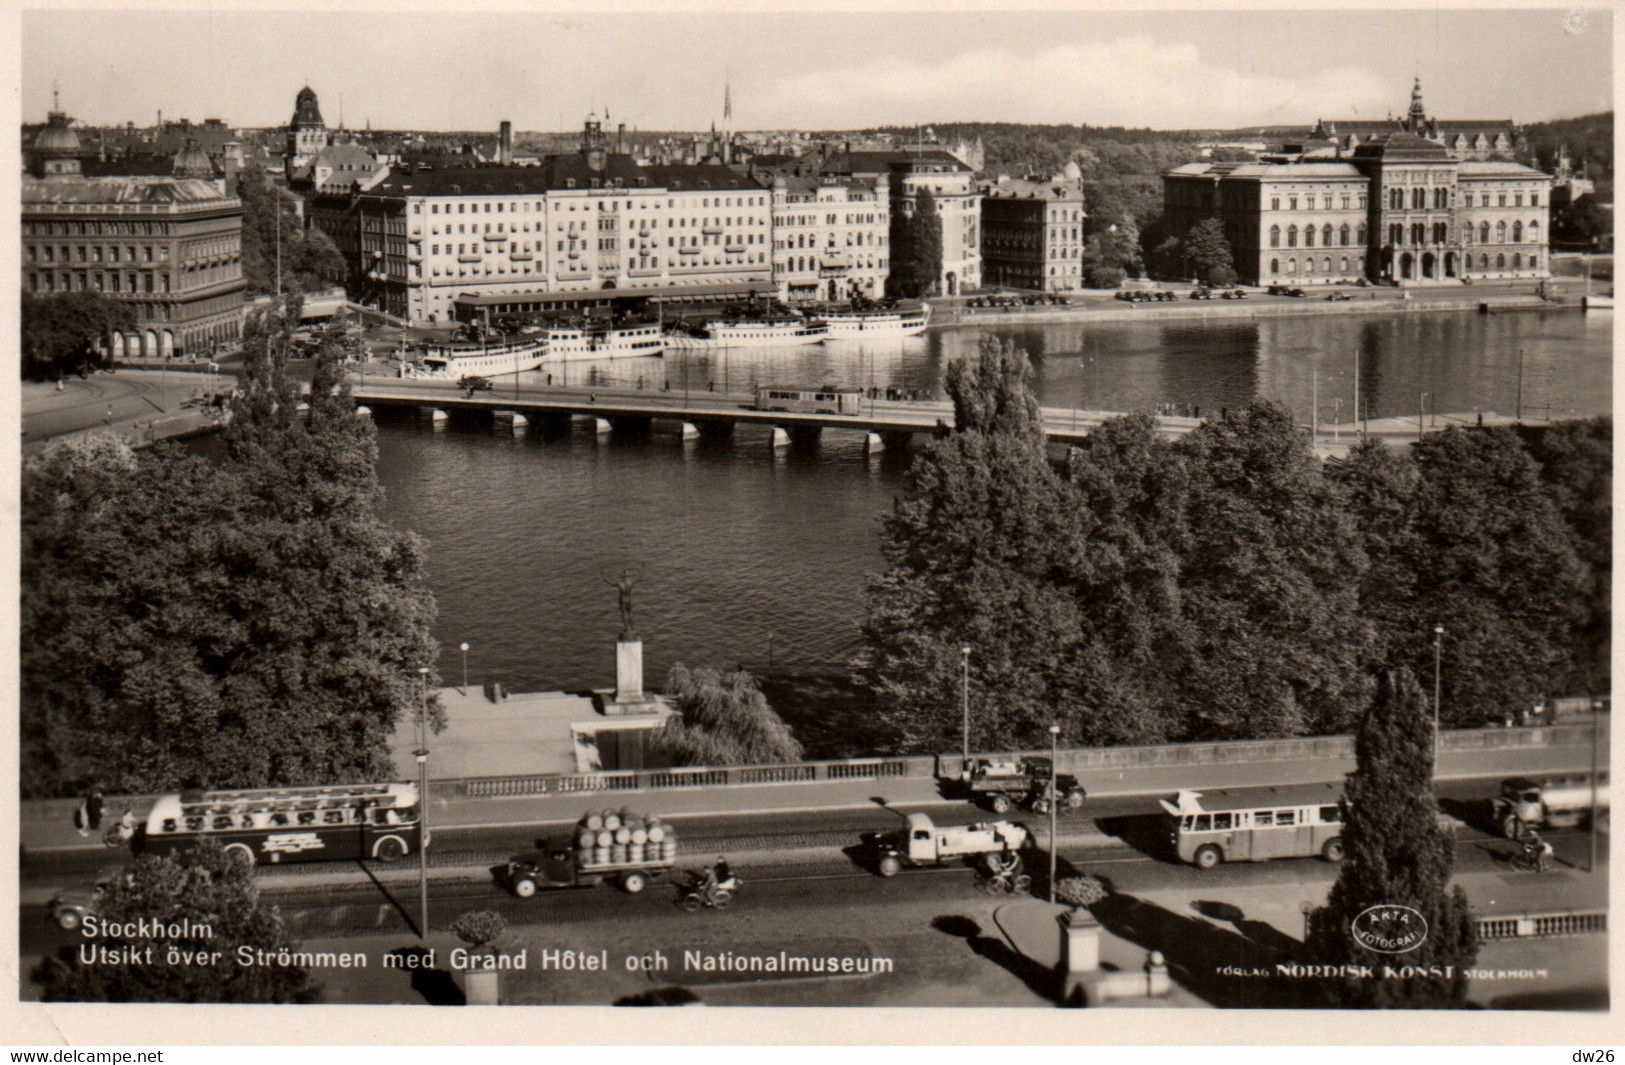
pixel 809 400
pixel 300 824
pixel 1256 824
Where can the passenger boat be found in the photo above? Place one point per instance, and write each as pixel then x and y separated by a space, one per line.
pixel 760 330
pixel 459 362
pixel 593 341
pixel 877 320
pixel 554 344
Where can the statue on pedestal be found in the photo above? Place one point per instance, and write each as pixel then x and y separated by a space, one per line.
pixel 623 587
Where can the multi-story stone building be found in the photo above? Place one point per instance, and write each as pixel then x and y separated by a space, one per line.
pixel 831 237
pixel 169 246
pixel 1032 234
pixel 958 201
pixel 1472 139
pixel 1399 208
pixel 586 221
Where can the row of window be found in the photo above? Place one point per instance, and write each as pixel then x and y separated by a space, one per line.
pixel 1326 234
pixel 519 206
pixel 1345 200
pixel 94 229
pixel 83 281
pixel 1343 266
pixel 1442 199
pixel 1440 232
pixel 582 265
pixel 46 253
pixel 829 220
pixel 800 264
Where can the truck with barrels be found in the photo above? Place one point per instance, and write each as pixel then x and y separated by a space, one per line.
pixel 921 843
pixel 1555 802
pixel 627 848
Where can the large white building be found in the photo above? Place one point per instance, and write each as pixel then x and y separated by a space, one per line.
pixel 587 221
pixel 959 205
pixel 831 237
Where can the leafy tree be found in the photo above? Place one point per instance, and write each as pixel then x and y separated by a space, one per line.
pixel 725 721
pixel 1208 252
pixel 978 554
pixel 201 886
pixel 917 247
pixel 245 622
pixel 273 235
pixel 1494 563
pixel 1576 460
pixel 1104 277
pixel 1116 247
pixel 1581 222
pixel 1397 855
pixel 1380 484
pixel 1270 575
pixel 59 332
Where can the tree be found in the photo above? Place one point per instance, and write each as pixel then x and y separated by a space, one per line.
pixel 1576 460
pixel 1208 252
pixel 1397 855
pixel 177 893
pixel 1495 564
pixel 60 332
pixel 1104 277
pixel 725 720
pixel 1581 222
pixel 917 247
pixel 245 622
pixel 978 554
pixel 1270 574
pixel 1116 247
pixel 274 236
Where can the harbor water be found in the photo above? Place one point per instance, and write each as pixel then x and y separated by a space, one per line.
pixel 743 555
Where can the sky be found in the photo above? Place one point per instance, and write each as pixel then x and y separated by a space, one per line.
pixel 833 68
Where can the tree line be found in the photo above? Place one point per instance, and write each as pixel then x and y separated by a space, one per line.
pixel 1227 584
pixel 238 621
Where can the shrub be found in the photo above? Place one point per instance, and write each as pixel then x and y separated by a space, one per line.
pixel 480 928
pixel 1105 277
pixel 1221 277
pixel 1081 890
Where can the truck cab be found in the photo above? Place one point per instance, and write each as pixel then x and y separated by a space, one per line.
pixel 551 867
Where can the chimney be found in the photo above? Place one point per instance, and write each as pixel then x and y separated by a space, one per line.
pixel 505 143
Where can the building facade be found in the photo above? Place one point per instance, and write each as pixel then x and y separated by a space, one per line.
pixel 831 237
pixel 168 246
pixel 952 185
pixel 1032 235
pixel 1397 209
pixel 589 220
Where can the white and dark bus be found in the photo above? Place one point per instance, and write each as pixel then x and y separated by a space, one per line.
pixel 809 400
pixel 299 824
pixel 1256 824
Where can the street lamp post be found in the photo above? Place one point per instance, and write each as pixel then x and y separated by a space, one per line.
pixel 465 667
pixel 1438 650
pixel 423 804
pixel 964 703
pixel 1421 412
pixel 1054 740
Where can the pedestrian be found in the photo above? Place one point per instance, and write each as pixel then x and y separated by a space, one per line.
pixel 710 386
pixel 109 418
pixel 81 818
pixel 93 807
pixel 126 825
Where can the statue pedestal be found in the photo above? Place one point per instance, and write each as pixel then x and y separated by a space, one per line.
pixel 629 671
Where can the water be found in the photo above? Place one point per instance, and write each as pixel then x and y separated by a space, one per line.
pixel 746 556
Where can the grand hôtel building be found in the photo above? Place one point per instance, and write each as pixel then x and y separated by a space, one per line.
pixel 1413 201
pixel 424 240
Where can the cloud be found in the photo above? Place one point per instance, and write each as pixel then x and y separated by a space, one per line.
pixel 1135 81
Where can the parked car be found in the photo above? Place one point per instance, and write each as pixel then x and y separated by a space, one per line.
pixel 1337 297
pixel 1233 294
pixel 1203 294
pixel 476 384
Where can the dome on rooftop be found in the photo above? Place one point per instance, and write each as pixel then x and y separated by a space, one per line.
pixel 57 138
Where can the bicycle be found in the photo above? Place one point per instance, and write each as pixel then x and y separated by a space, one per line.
pixel 1002 875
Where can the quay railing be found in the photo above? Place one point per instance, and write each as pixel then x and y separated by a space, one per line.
pixel 1229 752
pixel 1542 925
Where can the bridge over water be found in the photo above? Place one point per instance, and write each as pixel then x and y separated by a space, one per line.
pixel 885 423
